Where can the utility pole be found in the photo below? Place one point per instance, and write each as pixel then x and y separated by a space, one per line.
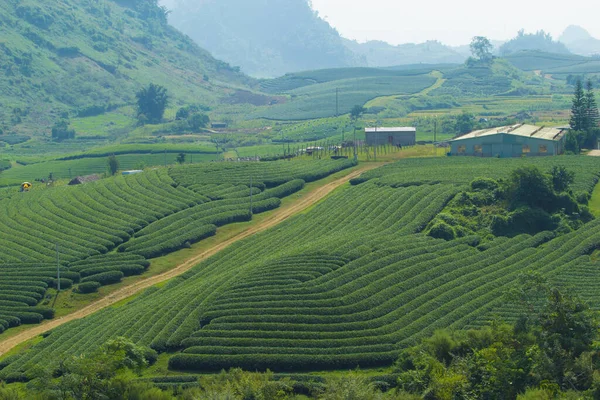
pixel 434 135
pixel 376 142
pixel 337 102
pixel 355 149
pixel 57 269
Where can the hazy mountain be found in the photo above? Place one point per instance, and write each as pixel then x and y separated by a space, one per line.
pixel 382 54
pixel 266 38
pixel 579 41
pixel 540 41
pixel 83 57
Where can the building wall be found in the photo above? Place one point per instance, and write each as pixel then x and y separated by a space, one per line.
pixel 393 138
pixel 504 145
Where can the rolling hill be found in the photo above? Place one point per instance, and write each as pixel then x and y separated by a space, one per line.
pixel 559 66
pixel 382 54
pixel 76 57
pixel 327 93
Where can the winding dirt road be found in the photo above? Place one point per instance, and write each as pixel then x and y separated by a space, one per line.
pixel 277 217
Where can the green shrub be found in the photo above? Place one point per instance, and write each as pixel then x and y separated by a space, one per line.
pixel 105 278
pixel 442 230
pixel 88 287
pixel 64 283
pixel 484 184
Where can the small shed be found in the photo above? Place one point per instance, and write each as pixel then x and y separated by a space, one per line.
pixel 400 136
pixel 519 140
pixel 79 180
pixel 218 125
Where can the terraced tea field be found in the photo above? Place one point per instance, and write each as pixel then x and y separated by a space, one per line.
pixel 319 99
pixel 108 229
pixel 348 283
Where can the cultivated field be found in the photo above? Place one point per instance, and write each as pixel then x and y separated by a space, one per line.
pixel 350 282
pixel 108 229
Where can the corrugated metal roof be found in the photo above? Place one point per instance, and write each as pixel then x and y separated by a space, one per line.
pixel 398 129
pixel 538 132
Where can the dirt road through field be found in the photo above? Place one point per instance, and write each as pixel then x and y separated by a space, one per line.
pixel 277 217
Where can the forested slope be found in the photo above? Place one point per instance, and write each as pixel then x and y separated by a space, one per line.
pixel 83 57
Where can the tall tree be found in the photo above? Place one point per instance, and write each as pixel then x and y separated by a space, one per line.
pixel 356 112
pixel 113 164
pixel 593 117
pixel 152 102
pixel 481 48
pixel 578 109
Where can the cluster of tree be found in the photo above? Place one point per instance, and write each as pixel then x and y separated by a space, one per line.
pixel 572 79
pixel 550 352
pixel 192 117
pixel 107 373
pixel 151 10
pixel 529 201
pixel 584 121
pixel 152 102
pixel 540 40
pixel 61 130
pixel 113 372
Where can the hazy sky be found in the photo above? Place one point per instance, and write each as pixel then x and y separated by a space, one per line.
pixel 454 22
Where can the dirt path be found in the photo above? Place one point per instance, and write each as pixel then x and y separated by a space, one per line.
pixel 594 153
pixel 277 217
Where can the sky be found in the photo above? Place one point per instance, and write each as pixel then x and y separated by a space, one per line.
pixel 454 22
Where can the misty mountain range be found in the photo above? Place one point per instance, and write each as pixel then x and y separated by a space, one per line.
pixel 269 38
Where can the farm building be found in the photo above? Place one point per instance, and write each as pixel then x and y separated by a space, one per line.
pixel 511 141
pixel 405 136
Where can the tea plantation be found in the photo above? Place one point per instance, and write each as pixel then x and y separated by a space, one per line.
pixel 351 282
pixel 106 230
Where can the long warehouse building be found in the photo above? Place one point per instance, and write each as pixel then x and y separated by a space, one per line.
pixel 511 141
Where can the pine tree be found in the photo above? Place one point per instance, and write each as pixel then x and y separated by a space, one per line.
pixel 578 109
pixel 592 115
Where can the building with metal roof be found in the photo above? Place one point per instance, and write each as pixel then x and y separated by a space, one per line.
pixel 399 136
pixel 511 141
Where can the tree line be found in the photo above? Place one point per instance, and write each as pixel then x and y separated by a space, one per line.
pixel 584 119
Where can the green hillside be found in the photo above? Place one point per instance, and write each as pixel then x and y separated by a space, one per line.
pixel 558 65
pixel 76 57
pixel 327 93
pixel 105 230
pixel 351 282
